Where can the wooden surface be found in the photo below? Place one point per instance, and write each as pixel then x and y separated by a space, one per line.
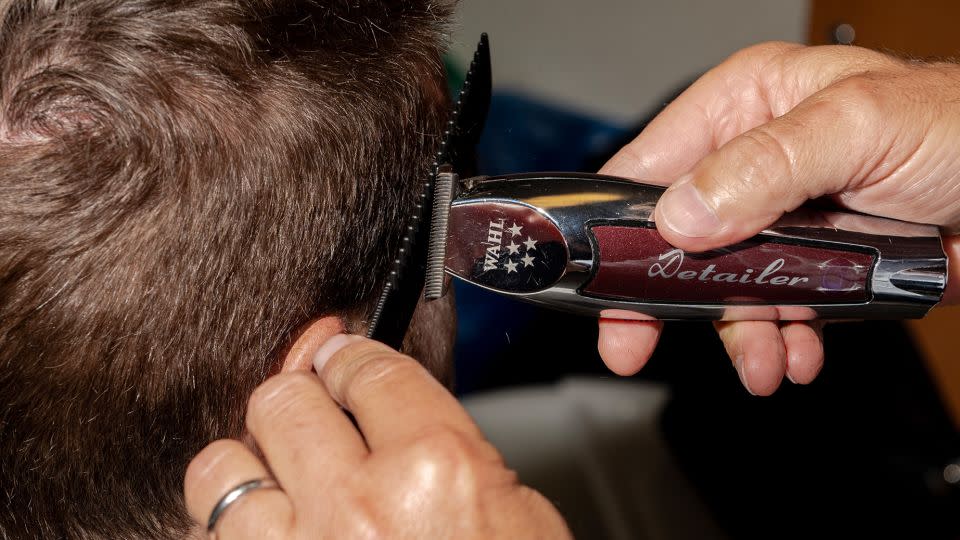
pixel 919 29
pixel 938 337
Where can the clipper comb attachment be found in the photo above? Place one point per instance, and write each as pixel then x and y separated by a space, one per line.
pixel 405 284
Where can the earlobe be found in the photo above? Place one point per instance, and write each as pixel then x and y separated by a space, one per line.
pixel 299 356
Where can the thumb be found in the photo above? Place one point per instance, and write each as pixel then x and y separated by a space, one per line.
pixel 827 144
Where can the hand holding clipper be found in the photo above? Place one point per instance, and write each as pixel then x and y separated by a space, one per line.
pixel 773 126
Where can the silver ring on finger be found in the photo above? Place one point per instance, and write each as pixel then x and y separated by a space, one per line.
pixel 232 497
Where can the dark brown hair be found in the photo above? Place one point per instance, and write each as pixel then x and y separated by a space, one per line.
pixel 183 183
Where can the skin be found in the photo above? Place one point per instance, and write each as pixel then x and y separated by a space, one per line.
pixel 772 127
pixel 415 465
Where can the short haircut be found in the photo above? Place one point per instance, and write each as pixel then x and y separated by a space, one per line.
pixel 183 184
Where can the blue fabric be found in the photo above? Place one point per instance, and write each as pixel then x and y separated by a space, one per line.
pixel 525 135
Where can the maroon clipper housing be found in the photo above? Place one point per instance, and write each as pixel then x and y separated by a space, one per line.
pixel 586 243
pixel 636 263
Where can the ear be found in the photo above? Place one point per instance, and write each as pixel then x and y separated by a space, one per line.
pixel 300 354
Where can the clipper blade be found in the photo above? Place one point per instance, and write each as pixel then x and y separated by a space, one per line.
pixel 405 284
pixel 436 278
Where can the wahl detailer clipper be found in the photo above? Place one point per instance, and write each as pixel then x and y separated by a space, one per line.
pixel 587 243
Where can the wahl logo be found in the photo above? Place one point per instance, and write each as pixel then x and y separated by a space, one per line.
pixel 495 248
pixel 671 264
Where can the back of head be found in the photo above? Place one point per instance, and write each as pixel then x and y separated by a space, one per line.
pixel 182 185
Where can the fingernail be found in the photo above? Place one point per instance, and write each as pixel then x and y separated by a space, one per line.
pixel 794 361
pixel 683 210
pixel 738 362
pixel 331 347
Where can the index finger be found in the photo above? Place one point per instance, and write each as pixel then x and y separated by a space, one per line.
pixel 747 90
pixel 306 439
pixel 392 397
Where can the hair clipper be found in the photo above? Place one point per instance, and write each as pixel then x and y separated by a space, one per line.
pixel 588 244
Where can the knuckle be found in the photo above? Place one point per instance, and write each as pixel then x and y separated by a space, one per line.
pixel 362 519
pixel 345 363
pixel 278 394
pixel 448 460
pixel 762 53
pixel 446 442
pixel 764 160
pixel 373 369
pixel 461 455
pixel 855 99
pixel 859 86
pixel 459 464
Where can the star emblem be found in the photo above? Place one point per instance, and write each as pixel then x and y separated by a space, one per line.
pixel 514 248
pixel 530 243
pixel 527 260
pixel 515 230
pixel 511 267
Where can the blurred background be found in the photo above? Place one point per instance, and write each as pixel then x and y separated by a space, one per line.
pixel 872 448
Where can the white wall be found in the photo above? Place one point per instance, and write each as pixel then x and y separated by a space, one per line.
pixel 617 58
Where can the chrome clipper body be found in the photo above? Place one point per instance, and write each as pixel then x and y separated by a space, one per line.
pixel 588 244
